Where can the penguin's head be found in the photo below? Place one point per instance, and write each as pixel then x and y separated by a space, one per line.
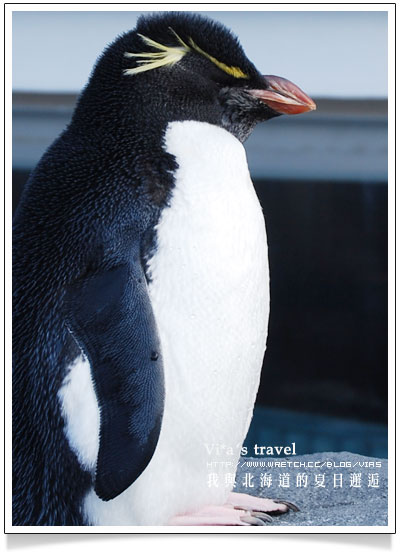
pixel 183 66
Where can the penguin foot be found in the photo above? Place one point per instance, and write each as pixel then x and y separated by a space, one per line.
pixel 221 516
pixel 257 504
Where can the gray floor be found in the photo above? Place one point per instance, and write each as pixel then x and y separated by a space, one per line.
pixel 323 506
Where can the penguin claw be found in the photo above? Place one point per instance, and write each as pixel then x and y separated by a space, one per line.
pixel 290 505
pixel 252 520
pixel 256 514
pixel 262 516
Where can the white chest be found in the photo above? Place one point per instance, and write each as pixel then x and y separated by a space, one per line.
pixel 210 295
pixel 210 283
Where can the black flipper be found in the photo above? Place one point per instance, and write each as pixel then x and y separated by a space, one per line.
pixel 110 316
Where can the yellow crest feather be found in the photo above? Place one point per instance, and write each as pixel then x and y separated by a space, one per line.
pixel 166 56
pixel 169 55
pixel 231 70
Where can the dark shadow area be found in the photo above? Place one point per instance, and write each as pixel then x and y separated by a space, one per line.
pixel 324 381
pixel 20 178
pixel 327 343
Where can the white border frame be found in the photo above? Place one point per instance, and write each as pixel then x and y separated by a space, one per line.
pixel 8 11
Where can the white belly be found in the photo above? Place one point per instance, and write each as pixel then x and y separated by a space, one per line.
pixel 210 295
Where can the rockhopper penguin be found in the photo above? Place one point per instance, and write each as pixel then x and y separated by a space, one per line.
pixel 141 286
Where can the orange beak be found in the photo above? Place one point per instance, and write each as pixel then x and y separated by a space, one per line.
pixel 283 96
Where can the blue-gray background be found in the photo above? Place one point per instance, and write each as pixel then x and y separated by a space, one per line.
pixel 330 54
pixel 322 181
